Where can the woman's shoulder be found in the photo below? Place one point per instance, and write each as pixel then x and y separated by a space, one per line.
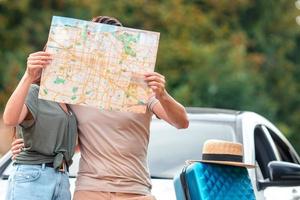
pixel 34 88
pixel 33 93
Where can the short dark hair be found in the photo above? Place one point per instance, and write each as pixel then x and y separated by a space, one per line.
pixel 107 20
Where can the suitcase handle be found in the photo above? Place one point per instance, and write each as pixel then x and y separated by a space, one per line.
pixel 184 183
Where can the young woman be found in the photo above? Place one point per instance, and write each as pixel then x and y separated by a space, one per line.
pixel 49 131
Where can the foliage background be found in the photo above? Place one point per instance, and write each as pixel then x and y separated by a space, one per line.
pixel 240 54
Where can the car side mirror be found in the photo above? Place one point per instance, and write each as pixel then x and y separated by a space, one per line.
pixel 282 174
pixel 284 171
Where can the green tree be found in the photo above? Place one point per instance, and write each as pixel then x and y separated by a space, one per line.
pixel 241 55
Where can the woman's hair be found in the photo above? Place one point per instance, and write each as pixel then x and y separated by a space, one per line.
pixel 107 20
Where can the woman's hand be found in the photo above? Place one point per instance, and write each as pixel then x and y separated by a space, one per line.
pixel 15 110
pixel 35 63
pixel 157 83
pixel 16 147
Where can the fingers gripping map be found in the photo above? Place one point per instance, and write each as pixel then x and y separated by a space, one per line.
pixel 98 65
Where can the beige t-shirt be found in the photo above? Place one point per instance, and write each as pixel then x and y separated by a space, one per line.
pixel 113 150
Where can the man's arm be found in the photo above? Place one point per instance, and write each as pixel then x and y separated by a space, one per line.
pixel 167 108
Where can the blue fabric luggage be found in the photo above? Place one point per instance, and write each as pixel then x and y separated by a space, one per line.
pixel 203 181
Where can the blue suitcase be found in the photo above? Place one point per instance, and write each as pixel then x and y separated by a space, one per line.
pixel 203 181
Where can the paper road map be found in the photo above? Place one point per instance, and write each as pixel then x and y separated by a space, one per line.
pixel 98 65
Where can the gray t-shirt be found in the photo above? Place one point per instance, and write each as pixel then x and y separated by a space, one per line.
pixel 50 136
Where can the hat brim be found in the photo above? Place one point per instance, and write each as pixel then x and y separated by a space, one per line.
pixel 237 164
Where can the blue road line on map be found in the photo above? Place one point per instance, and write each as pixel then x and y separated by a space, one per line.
pixel 56 20
pixel 66 21
pixel 55 47
pixel 107 28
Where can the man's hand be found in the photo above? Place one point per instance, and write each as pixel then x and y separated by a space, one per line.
pixel 16 147
pixel 167 108
pixel 157 83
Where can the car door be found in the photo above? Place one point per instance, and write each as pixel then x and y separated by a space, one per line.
pixel 271 147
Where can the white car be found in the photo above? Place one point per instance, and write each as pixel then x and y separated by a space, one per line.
pixel 277 175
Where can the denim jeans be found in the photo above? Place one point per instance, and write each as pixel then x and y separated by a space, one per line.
pixel 38 182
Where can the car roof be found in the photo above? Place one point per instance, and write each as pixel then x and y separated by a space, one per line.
pixel 216 116
pixel 204 110
pixel 213 114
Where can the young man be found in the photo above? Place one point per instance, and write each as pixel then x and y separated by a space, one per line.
pixel 114 144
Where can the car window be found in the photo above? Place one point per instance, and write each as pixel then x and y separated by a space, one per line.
pixel 74 167
pixel 268 147
pixel 8 170
pixel 264 152
pixel 169 147
pixel 286 154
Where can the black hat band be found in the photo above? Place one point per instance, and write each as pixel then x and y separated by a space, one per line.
pixel 222 157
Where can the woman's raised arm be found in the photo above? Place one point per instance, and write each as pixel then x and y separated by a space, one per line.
pixel 15 110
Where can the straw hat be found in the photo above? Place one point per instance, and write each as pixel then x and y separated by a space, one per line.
pixel 223 152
